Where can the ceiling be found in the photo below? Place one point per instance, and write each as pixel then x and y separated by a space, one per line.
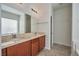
pixel 33 5
pixel 41 8
pixel 30 5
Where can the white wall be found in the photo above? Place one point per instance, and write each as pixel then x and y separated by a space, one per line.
pixel 33 24
pixel 75 28
pixel 63 25
pixel 44 23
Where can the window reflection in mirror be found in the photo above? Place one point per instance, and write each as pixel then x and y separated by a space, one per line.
pixel 9 22
pixel 8 26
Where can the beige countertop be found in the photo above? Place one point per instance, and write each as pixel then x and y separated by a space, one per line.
pixel 19 40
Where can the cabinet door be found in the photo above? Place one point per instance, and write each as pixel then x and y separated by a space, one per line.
pixel 24 49
pixel 41 43
pixel 11 51
pixel 4 52
pixel 21 49
pixel 34 47
pixel 28 48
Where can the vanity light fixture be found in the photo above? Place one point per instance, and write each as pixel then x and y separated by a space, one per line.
pixel 34 10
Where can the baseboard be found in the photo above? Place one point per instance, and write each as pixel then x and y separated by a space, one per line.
pixel 47 48
pixel 62 44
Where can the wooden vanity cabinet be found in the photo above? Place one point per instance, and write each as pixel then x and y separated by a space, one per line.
pixel 24 49
pixel 41 42
pixel 11 51
pixel 35 47
pixel 21 49
pixel 28 48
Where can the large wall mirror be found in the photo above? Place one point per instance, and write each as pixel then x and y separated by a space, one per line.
pixel 15 21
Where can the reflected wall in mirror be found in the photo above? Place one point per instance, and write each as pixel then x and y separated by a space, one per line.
pixel 27 23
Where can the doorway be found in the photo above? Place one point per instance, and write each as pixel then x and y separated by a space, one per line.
pixel 27 23
pixel 62 25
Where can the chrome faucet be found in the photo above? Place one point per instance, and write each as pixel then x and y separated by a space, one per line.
pixel 35 33
pixel 14 35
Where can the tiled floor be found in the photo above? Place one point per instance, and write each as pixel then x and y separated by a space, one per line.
pixel 57 50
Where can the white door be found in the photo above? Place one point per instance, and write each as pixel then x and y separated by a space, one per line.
pixel 62 26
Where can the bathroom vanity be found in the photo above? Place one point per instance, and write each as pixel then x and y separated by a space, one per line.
pixel 24 45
